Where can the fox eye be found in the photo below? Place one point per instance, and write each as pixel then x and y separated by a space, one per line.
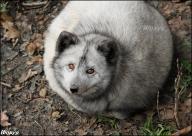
pixel 90 71
pixel 71 66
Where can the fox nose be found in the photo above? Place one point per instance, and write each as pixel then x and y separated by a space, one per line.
pixel 74 89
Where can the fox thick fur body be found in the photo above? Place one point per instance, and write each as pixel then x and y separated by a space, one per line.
pixel 108 56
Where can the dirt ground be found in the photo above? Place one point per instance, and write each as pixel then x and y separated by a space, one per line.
pixel 34 109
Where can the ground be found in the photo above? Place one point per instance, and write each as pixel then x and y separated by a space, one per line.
pixel 30 107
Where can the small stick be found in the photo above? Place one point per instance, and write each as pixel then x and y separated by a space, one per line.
pixel 31 4
pixel 5 84
pixel 177 92
pixel 10 70
pixel 40 127
pixel 158 104
pixel 17 89
pixel 71 109
pixel 183 131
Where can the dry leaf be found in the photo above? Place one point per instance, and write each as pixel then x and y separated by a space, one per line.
pixel 5 17
pixel 125 125
pixel 99 131
pixel 4 119
pixel 43 92
pixel 10 31
pixel 181 9
pixel 183 131
pixel 24 25
pixel 36 59
pixel 56 115
pixel 186 106
pixel 25 76
pixel 31 48
pixel 176 1
pixel 167 114
pixel 92 121
pixel 81 131
pixel 36 44
pixel 17 88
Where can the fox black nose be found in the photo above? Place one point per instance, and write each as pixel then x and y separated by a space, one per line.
pixel 74 89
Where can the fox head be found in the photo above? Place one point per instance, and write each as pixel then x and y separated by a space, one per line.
pixel 84 65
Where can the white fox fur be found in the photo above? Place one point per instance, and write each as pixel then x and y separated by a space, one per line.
pixel 147 47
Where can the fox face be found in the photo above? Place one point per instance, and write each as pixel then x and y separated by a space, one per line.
pixel 84 65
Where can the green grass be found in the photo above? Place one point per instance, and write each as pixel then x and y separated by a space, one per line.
pixel 112 122
pixel 187 73
pixel 186 44
pixel 3 6
pixel 186 66
pixel 116 133
pixel 186 78
pixel 150 130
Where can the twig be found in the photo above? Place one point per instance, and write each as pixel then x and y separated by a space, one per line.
pixel 38 124
pixel 40 127
pixel 176 108
pixel 5 84
pixel 10 70
pixel 183 131
pixel 181 91
pixel 31 4
pixel 158 104
pixel 177 93
pixel 71 110
pixel 15 90
pixel 15 42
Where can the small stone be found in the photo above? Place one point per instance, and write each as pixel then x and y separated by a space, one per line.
pixel 43 92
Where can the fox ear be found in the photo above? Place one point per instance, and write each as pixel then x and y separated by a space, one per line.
pixel 109 49
pixel 65 40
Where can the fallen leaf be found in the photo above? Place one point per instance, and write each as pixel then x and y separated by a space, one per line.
pixel 38 68
pixel 186 106
pixel 167 114
pixel 24 24
pixel 4 119
pixel 29 62
pixel 188 3
pixel 56 115
pixel 25 76
pixel 81 131
pixel 18 114
pixel 5 17
pixel 184 118
pixel 99 131
pixel 31 48
pixel 183 131
pixel 181 9
pixel 36 59
pixel 92 121
pixel 124 124
pixel 35 45
pixel 10 31
pixel 176 1
pixel 17 88
pixel 43 92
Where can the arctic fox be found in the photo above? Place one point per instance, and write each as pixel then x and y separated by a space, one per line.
pixel 108 56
